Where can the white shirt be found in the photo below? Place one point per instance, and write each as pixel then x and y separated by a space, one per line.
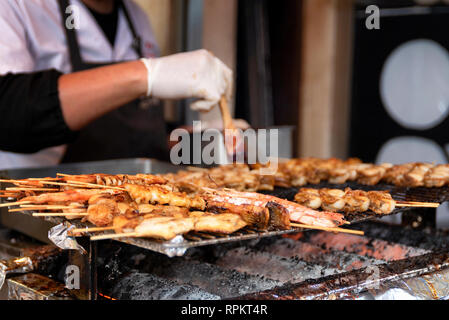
pixel 33 39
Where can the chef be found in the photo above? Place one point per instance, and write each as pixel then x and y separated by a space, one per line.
pixel 76 78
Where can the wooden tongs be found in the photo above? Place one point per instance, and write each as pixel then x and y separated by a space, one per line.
pixel 234 141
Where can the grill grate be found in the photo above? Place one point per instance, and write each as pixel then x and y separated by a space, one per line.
pixel 179 245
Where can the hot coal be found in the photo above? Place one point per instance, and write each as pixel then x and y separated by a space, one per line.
pixel 344 261
pixel 272 266
pixel 375 248
pixel 142 286
pixel 349 284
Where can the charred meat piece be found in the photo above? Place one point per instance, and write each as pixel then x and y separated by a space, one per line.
pixel 102 212
pixel 256 216
pixel 279 217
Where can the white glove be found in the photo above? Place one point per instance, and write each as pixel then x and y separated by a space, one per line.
pixel 197 74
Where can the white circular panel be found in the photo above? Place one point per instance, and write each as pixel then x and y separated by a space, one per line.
pixel 414 84
pixel 410 149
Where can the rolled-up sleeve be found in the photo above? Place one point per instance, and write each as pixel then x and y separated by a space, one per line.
pixel 31 118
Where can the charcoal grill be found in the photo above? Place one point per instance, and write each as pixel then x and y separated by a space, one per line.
pixel 296 265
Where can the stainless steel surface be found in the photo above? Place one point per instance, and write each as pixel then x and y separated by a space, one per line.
pixel 36 287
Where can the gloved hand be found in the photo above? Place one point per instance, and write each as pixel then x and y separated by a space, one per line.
pixel 197 74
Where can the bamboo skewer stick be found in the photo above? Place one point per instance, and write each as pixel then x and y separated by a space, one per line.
pixel 40 208
pixel 117 235
pixel 418 205
pixel 60 214
pixel 71 206
pixel 43 208
pixel 83 185
pixel 8 204
pixel 30 189
pixel 93 229
pixel 228 124
pixel 95 185
pixel 65 175
pixel 298 225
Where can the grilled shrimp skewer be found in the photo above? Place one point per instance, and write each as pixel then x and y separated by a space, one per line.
pixel 297 212
pixel 349 201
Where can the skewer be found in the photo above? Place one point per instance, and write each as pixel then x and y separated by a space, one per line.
pixel 30 189
pixel 418 205
pixel 59 214
pixel 72 206
pixel 117 235
pixel 298 225
pixel 82 185
pixel 8 181
pixel 7 204
pixel 84 230
pixel 228 124
pixel 64 175
pixel 76 183
pixel 39 208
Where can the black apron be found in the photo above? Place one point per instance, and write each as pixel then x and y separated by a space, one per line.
pixel 131 131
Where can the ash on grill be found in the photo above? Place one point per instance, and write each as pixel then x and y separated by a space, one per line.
pixel 311 267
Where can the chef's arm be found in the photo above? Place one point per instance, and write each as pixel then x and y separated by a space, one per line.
pixel 87 95
pixel 46 108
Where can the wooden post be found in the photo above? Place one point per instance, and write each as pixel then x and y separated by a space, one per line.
pixel 220 37
pixel 325 78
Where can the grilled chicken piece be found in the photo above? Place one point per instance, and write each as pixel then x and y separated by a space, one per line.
pixel 163 210
pixel 396 174
pixel 78 207
pixel 156 194
pixel 437 176
pixel 381 202
pixel 332 199
pixel 309 197
pixel 165 228
pixel 371 174
pixel 102 212
pixel 415 177
pixel 127 222
pixel 256 216
pixel 225 223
